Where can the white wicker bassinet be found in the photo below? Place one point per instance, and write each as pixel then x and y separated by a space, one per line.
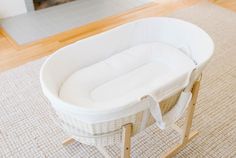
pixel 101 127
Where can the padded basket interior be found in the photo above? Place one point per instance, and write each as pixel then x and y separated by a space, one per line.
pixel 150 68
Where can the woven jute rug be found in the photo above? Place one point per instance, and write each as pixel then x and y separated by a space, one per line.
pixel 27 130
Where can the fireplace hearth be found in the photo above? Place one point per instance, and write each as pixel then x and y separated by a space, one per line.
pixel 43 23
pixel 41 4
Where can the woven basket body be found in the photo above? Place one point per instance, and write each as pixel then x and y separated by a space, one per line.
pixel 109 132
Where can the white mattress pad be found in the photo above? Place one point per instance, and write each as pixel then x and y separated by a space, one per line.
pixel 155 69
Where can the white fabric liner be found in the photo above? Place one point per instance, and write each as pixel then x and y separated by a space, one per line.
pixel 154 69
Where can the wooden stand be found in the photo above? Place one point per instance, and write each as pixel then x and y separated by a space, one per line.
pixel 186 133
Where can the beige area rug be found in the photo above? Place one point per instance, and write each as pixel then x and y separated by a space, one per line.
pixel 26 129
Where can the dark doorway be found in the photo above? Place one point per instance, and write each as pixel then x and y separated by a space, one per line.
pixel 41 4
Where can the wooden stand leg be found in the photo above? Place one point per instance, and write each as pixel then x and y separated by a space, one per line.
pixel 187 135
pixel 69 141
pixel 126 140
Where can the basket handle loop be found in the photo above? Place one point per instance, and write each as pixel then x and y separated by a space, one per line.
pixel 164 121
pixel 155 109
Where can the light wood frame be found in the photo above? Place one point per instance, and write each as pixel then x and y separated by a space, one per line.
pixel 186 134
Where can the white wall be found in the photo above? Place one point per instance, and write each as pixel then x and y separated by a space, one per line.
pixel 11 8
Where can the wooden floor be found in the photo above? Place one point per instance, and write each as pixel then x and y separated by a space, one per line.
pixel 13 55
pixel 229 4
